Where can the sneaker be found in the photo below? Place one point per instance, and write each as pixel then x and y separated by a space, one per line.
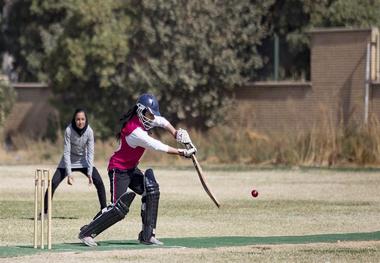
pixel 152 241
pixel 88 241
pixel 45 216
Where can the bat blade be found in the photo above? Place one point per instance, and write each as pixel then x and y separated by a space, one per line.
pixel 202 178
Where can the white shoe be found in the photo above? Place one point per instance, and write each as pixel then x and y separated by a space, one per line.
pixel 152 241
pixel 88 241
pixel 45 216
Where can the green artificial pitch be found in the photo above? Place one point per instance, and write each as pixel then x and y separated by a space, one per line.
pixel 193 242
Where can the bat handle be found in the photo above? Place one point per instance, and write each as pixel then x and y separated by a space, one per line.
pixel 188 146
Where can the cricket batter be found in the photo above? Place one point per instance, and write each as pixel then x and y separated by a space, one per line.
pixel 124 173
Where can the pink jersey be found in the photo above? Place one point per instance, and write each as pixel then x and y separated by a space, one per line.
pixel 127 157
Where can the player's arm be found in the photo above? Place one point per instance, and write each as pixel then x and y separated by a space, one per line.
pixel 67 151
pixel 162 122
pixel 90 155
pixel 180 135
pixel 141 138
pixel 67 155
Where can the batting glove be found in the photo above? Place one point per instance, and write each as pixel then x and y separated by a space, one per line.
pixel 187 152
pixel 182 136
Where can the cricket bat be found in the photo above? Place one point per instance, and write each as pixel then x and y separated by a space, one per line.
pixel 202 178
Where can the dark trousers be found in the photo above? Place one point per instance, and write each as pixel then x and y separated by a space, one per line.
pixel 121 180
pixel 60 174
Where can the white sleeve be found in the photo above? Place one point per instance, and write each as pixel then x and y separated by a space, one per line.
pixel 141 138
pixel 160 121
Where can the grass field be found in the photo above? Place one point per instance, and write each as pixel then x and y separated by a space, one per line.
pixel 300 215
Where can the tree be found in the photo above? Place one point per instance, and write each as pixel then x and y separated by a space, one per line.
pixel 7 99
pixel 291 20
pixel 194 53
pixel 101 54
pixel 79 47
pixel 7 93
pixel 351 13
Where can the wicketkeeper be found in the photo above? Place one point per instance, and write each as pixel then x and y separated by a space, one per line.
pixel 124 173
pixel 78 156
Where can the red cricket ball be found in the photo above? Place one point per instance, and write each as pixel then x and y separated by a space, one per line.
pixel 254 193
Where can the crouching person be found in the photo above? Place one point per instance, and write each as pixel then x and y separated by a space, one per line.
pixel 124 173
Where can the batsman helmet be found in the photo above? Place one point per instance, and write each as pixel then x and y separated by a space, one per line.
pixel 147 102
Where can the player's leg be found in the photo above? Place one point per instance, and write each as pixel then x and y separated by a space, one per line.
pixel 113 213
pixel 58 177
pixel 99 185
pixel 149 207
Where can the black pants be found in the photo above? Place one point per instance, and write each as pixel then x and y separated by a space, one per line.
pixel 120 181
pixel 60 174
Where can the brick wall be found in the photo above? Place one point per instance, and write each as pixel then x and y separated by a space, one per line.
pixel 375 101
pixel 338 71
pixel 31 112
pixel 335 94
pixel 275 106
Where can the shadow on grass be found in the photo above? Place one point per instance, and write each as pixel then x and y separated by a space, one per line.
pixel 54 217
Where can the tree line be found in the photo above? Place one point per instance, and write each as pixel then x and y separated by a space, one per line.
pixel 101 54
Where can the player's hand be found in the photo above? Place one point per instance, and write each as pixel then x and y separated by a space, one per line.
pixel 90 182
pixel 182 136
pixel 190 145
pixel 187 152
pixel 70 180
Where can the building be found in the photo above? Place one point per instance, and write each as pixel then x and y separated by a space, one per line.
pixel 344 86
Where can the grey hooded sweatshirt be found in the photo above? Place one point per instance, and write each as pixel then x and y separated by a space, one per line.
pixel 78 151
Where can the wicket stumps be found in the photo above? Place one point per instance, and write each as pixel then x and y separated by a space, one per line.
pixel 42 182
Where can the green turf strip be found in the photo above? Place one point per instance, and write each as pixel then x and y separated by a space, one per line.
pixel 193 242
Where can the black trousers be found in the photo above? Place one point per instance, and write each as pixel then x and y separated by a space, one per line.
pixel 121 180
pixel 60 174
